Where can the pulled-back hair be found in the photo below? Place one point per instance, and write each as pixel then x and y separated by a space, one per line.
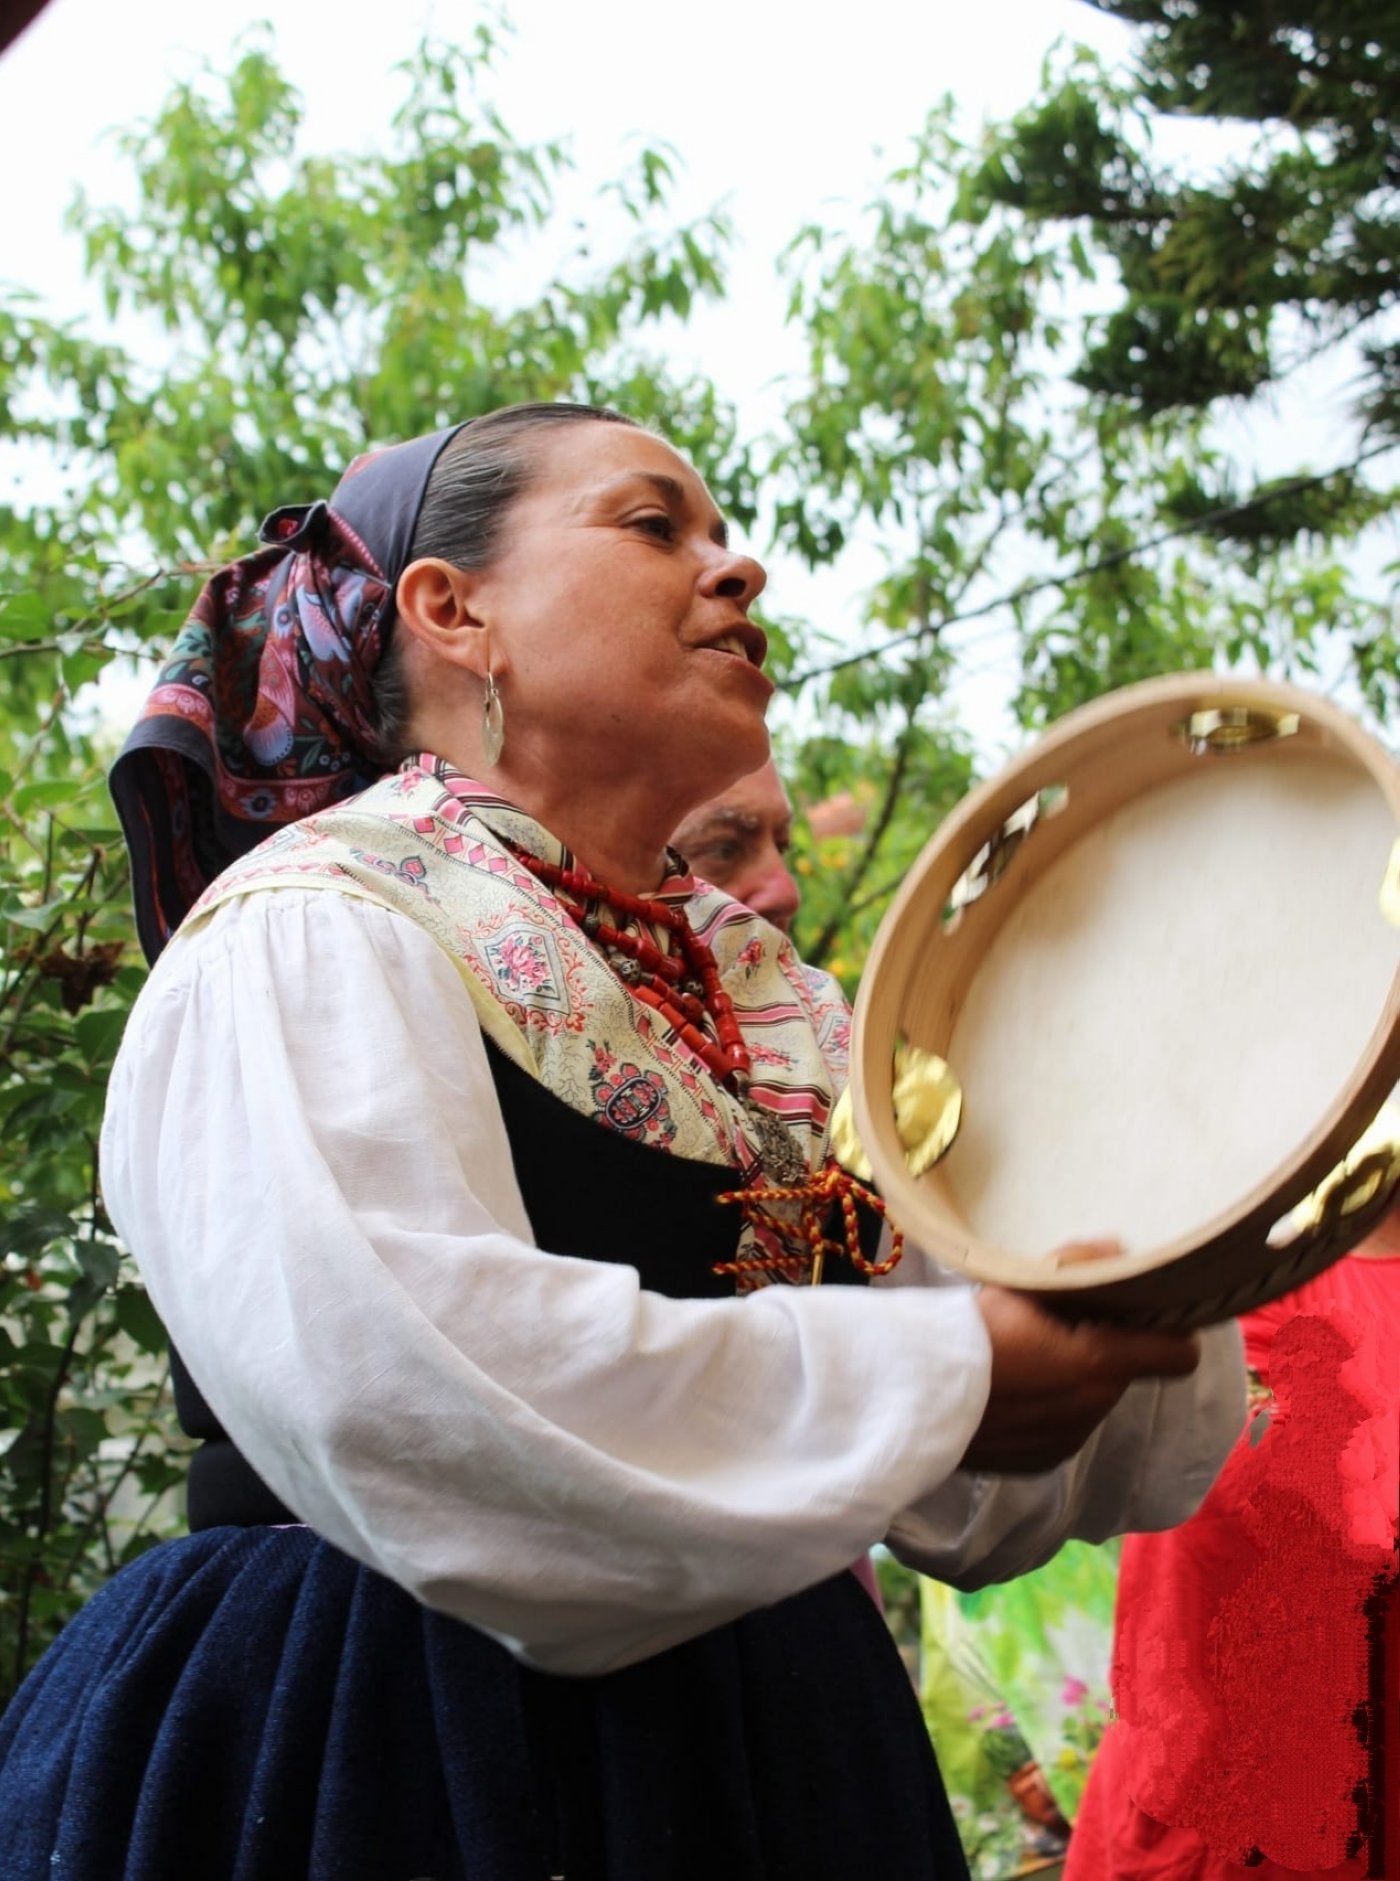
pixel 486 469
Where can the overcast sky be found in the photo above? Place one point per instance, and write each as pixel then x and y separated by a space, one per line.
pixel 769 109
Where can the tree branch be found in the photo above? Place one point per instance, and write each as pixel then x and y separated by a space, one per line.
pixel 819 949
pixel 48 1438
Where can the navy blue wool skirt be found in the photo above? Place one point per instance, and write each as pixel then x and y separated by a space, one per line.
pixel 251 1704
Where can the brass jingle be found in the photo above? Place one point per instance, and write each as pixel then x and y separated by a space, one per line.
pixel 1366 1176
pixel 927 1101
pixel 1225 728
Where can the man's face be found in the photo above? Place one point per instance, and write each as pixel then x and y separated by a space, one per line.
pixel 739 842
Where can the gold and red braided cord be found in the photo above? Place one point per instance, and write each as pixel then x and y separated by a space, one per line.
pixel 816 1197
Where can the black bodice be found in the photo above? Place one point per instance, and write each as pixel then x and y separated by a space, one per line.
pixel 251 1697
pixel 589 1192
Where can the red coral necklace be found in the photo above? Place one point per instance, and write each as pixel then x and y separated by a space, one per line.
pixel 683 987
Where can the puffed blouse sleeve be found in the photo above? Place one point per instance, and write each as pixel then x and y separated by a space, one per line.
pixel 304 1150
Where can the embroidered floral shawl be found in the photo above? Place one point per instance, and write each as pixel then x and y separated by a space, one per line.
pixel 431 844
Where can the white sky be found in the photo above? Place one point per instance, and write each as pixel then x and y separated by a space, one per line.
pixel 768 109
pixel 775 113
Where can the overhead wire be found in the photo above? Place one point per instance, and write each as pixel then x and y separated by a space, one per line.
pixel 1111 558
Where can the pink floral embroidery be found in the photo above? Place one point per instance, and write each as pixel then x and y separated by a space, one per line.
pixel 411 870
pixel 633 1102
pixel 525 964
pixel 769 1055
pixel 435 845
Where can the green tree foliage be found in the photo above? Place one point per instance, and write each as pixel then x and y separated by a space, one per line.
pixel 88 1453
pixel 1291 248
pixel 1304 221
pixel 1225 286
pixel 946 413
pixel 302 305
pixel 273 313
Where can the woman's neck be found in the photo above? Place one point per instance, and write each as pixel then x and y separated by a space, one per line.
pixel 618 830
pixel 632 861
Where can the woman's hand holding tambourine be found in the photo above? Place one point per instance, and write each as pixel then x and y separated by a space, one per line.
pixel 1053 1382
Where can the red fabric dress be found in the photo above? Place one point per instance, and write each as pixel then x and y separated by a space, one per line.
pixel 1241 1640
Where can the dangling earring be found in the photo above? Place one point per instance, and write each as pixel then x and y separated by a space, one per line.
pixel 493 723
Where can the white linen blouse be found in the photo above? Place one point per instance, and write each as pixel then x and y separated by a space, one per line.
pixel 304 1150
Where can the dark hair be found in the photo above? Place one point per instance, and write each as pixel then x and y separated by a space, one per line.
pixel 486 468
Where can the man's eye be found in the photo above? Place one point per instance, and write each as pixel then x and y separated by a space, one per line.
pixel 716 855
pixel 656 524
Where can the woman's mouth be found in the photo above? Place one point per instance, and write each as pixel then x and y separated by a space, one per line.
pixel 745 642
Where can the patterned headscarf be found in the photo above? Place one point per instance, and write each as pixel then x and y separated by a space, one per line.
pixel 264 712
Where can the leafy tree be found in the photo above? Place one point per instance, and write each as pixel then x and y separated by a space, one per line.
pixel 88 1458
pixel 943 412
pixel 1225 286
pixel 1290 249
pixel 1303 221
pixel 286 310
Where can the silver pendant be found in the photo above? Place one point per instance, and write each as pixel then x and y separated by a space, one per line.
pixel 783 1162
pixel 493 725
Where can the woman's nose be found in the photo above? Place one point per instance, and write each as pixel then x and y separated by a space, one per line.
pixel 736 577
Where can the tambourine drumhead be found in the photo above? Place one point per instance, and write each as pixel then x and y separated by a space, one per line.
pixel 1169 994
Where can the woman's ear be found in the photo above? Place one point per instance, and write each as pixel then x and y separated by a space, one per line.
pixel 434 604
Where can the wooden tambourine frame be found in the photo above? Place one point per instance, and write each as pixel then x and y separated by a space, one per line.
pixel 1188 746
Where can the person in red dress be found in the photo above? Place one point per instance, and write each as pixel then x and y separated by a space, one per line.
pixel 1243 1638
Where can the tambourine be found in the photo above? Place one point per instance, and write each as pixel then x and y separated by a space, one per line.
pixel 1146 984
